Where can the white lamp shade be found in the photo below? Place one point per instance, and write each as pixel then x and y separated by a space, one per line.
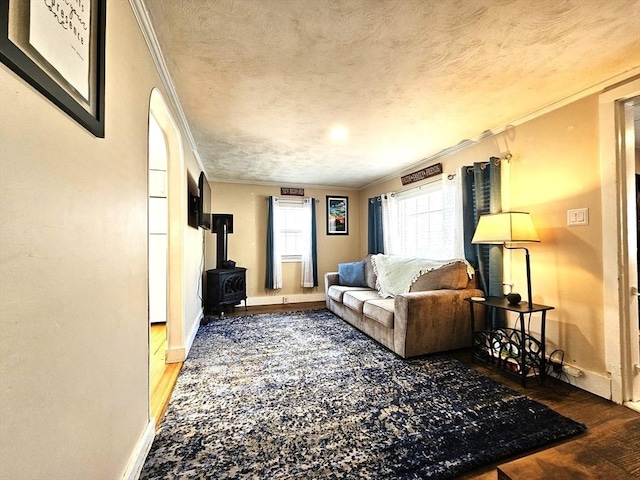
pixel 505 227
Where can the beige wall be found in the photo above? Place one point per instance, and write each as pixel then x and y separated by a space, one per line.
pixel 74 394
pixel 555 167
pixel 247 245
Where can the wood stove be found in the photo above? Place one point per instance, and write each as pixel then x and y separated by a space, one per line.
pixel 225 288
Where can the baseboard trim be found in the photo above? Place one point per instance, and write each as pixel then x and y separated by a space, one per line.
pixel 176 355
pixel 293 298
pixel 592 382
pixel 180 354
pixel 192 333
pixel 139 455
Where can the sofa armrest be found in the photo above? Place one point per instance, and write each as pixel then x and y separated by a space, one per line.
pixel 331 278
pixel 434 321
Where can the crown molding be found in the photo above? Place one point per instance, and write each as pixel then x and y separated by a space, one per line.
pixel 600 87
pixel 144 21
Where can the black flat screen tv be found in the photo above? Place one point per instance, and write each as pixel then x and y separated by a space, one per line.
pixel 192 211
pixel 204 202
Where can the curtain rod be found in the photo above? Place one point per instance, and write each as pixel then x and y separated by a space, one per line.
pixel 495 160
pixel 281 199
pixel 484 165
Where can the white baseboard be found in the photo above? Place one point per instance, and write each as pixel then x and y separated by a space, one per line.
pixel 191 335
pixel 179 354
pixel 635 406
pixel 176 355
pixel 293 298
pixel 139 455
pixel 592 382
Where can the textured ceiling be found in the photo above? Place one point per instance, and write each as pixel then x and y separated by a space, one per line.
pixel 263 82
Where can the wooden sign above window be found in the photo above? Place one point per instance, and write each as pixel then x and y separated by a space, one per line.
pixel 430 171
pixel 299 192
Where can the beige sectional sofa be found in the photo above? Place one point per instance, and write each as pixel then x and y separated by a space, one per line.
pixel 430 317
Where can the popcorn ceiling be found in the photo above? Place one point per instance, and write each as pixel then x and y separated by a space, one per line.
pixel 262 82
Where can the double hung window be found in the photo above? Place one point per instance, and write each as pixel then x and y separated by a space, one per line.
pixel 423 222
pixel 291 229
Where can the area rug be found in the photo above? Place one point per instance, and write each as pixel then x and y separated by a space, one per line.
pixel 304 395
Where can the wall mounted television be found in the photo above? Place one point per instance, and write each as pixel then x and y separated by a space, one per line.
pixel 192 202
pixel 192 210
pixel 204 202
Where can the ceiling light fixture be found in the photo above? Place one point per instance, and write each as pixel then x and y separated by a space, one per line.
pixel 338 133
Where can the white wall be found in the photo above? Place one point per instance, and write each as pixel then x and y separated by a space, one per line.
pixel 74 394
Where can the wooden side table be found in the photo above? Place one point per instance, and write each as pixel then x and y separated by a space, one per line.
pixel 512 350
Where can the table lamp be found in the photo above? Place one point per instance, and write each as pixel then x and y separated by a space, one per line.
pixel 507 228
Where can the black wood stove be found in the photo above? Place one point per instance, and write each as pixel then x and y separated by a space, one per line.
pixel 226 285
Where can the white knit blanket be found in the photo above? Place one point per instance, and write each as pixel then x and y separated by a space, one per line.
pixel 396 274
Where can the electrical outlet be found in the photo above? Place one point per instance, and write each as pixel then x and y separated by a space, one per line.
pixel 285 299
pixel 573 371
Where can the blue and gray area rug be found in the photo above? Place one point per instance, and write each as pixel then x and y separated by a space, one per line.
pixel 304 395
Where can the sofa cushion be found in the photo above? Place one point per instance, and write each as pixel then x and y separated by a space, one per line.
pixel 452 277
pixel 356 299
pixel 336 292
pixel 352 274
pixel 381 311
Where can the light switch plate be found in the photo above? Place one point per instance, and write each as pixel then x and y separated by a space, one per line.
pixel 577 216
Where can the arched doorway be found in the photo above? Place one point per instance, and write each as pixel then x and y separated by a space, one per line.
pixel 165 260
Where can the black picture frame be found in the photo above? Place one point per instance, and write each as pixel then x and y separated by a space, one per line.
pixel 337 215
pixel 24 60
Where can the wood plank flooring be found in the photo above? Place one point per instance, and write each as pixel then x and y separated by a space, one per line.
pixel 162 375
pixel 609 449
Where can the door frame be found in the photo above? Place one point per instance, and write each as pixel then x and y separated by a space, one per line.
pixel 621 347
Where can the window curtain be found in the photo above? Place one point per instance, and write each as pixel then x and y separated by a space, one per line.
pixel 452 216
pixel 482 195
pixel 376 236
pixel 273 279
pixel 309 250
pixel 390 223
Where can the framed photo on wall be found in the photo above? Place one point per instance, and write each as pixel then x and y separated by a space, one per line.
pixel 59 49
pixel 337 215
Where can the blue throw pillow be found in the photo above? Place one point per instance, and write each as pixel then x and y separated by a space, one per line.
pixel 352 274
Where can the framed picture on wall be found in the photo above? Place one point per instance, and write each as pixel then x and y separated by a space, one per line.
pixel 59 49
pixel 337 215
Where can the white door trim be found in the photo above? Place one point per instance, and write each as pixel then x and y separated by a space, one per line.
pixel 617 327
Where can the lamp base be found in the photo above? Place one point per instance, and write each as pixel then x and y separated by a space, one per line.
pixel 514 298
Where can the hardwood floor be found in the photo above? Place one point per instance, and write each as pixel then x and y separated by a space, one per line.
pixel 610 449
pixel 162 375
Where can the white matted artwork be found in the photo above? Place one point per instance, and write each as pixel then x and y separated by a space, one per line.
pixel 60 32
pixel 58 47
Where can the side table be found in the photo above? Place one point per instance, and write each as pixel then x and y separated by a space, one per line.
pixel 512 350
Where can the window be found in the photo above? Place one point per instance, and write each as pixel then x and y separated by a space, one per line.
pixel 291 229
pixel 424 222
pixel 421 222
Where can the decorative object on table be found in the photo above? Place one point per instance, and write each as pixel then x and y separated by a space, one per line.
pixel 305 395
pixel 505 229
pixel 60 52
pixel 514 298
pixel 337 215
